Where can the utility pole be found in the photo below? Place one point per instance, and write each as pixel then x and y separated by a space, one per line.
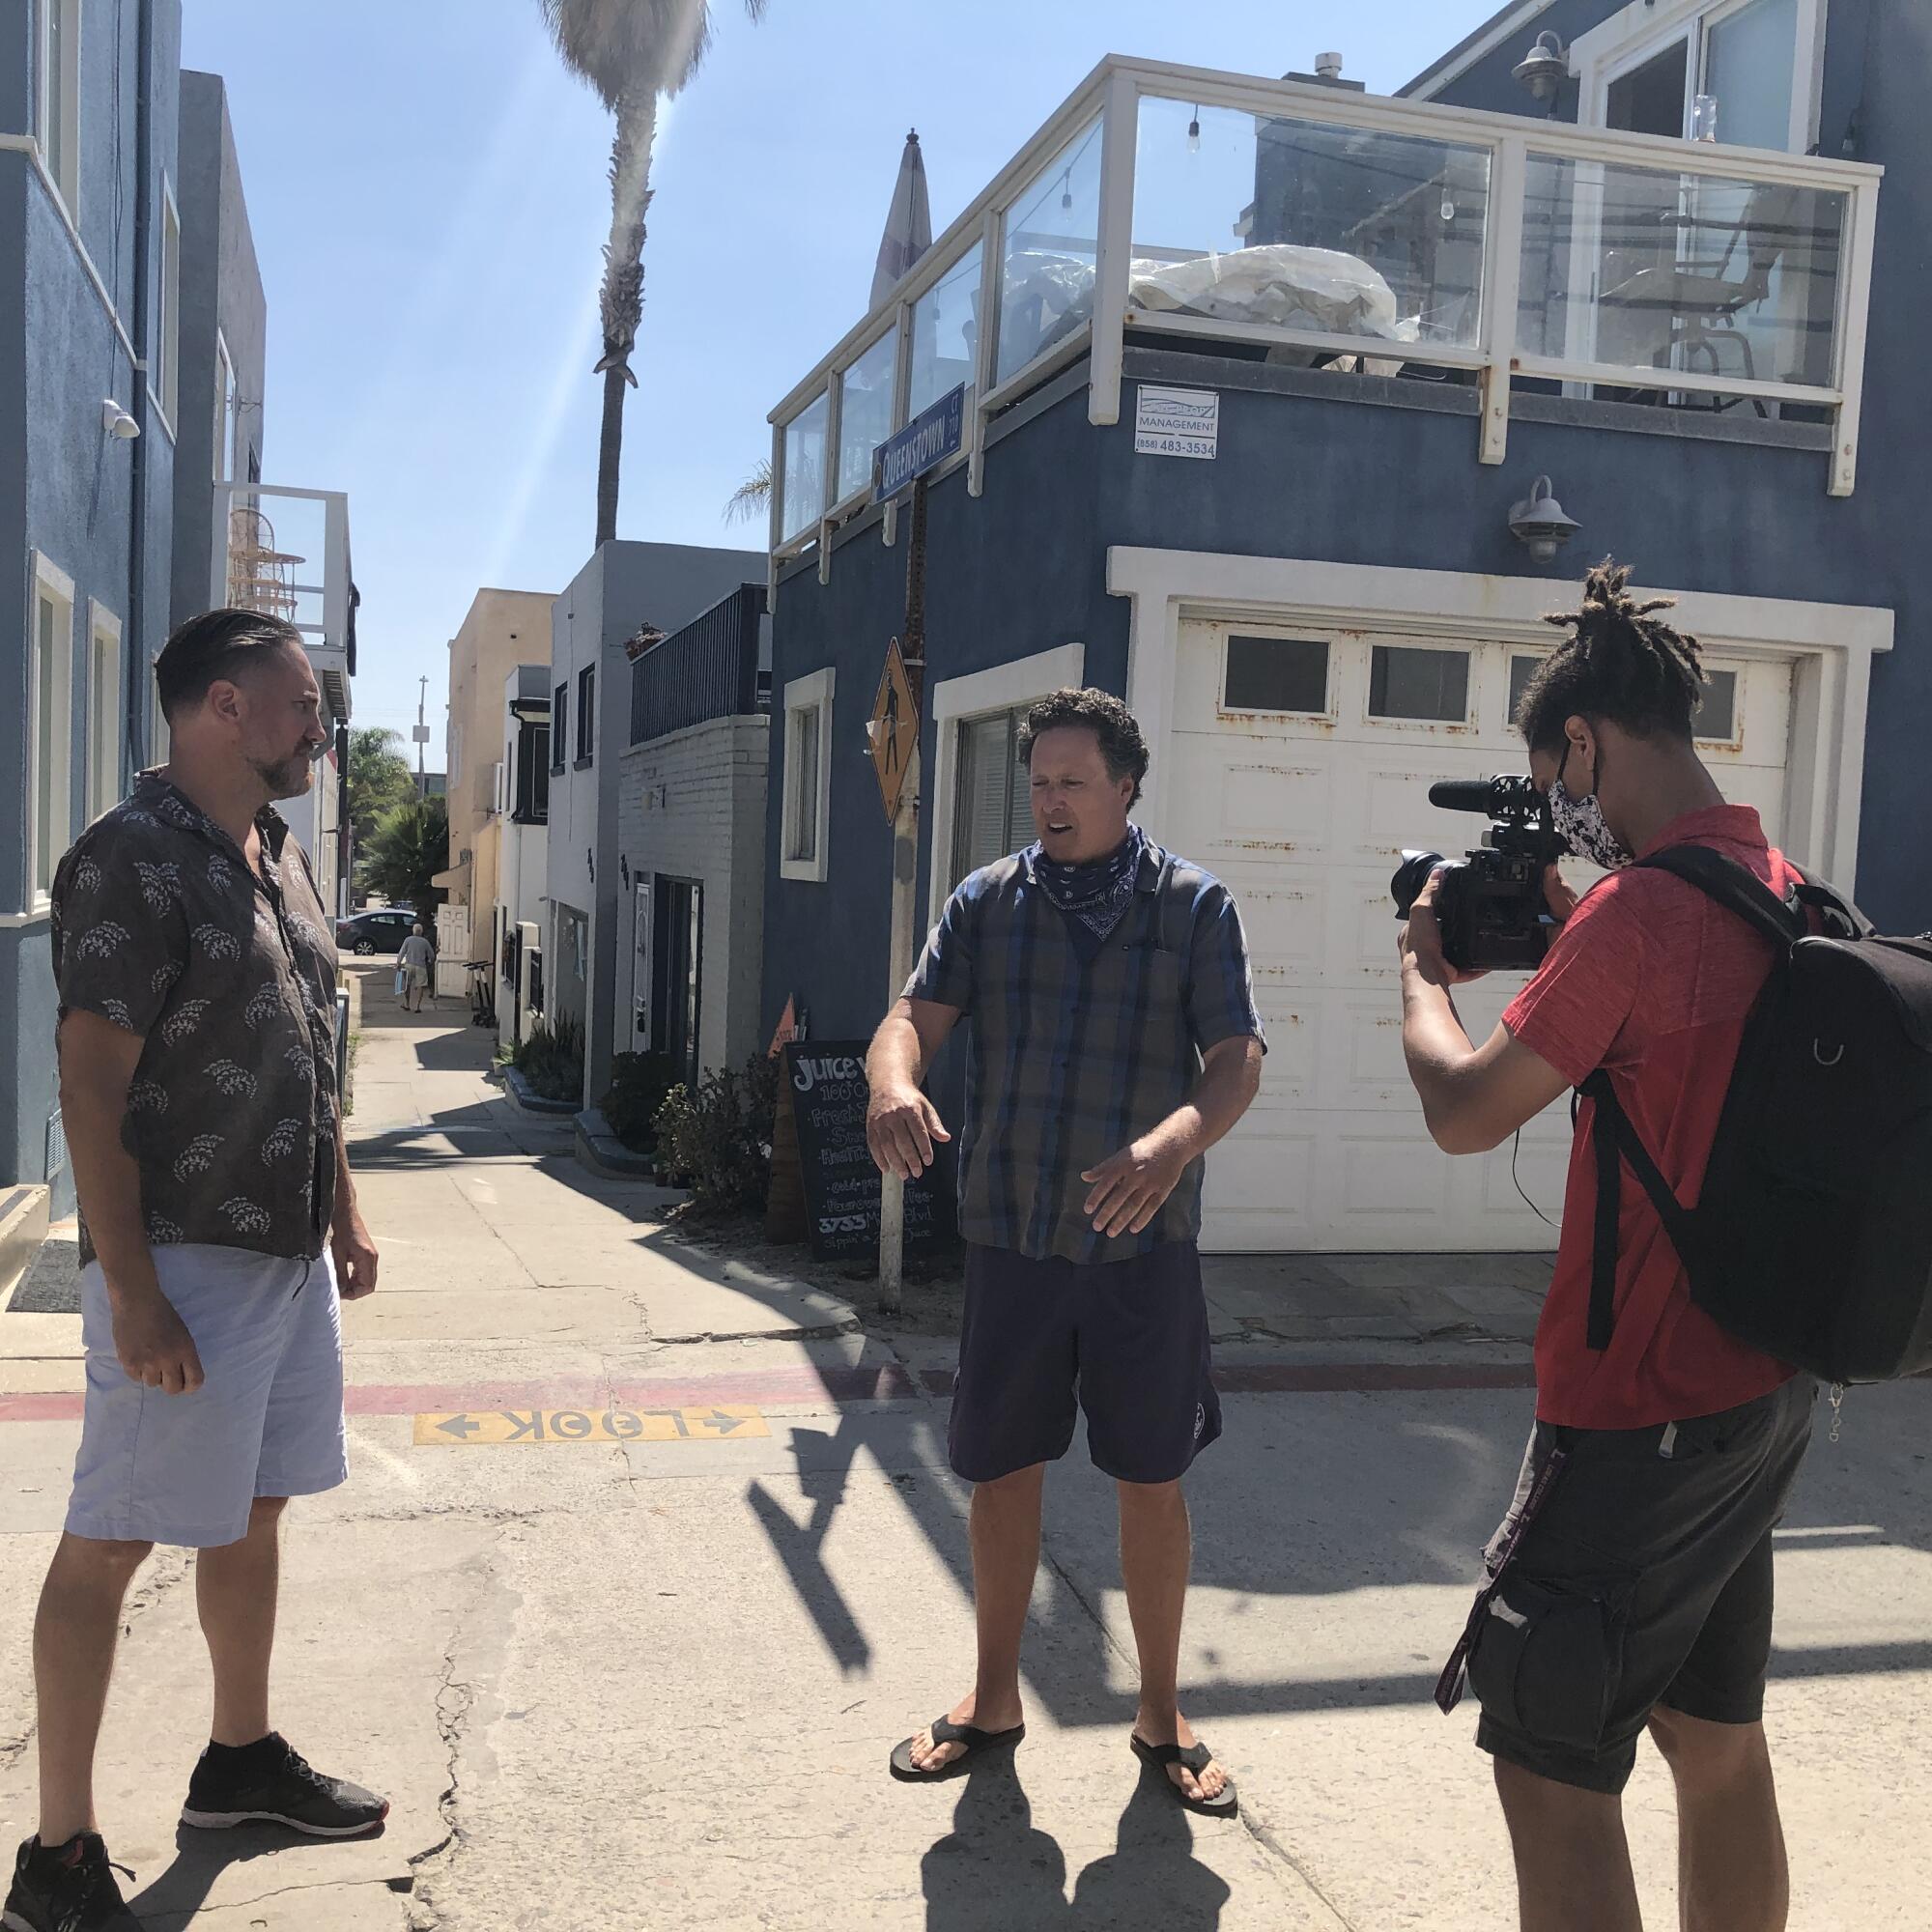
pixel 904 932
pixel 421 736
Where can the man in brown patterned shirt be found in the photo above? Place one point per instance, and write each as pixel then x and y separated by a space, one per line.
pixel 196 974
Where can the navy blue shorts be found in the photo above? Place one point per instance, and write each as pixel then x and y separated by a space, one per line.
pixel 1125 1340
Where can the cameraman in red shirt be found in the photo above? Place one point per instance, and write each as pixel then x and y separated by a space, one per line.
pixel 1629 1588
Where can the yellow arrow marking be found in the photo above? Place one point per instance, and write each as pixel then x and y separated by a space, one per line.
pixel 491 1428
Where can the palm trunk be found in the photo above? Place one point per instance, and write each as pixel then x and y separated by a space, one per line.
pixel 622 298
pixel 610 453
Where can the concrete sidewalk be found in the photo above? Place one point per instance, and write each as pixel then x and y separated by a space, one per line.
pixel 643 1567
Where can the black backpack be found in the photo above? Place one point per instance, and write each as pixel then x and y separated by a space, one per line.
pixel 1812 1236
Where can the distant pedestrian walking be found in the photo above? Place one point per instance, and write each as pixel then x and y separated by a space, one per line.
pixel 1113 1039
pixel 414 958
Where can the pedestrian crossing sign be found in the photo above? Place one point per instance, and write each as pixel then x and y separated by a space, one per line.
pixel 893 729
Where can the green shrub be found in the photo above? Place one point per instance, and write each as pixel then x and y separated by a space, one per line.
pixel 550 1058
pixel 639 1083
pixel 717 1141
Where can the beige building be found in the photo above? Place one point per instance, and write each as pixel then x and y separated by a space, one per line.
pixel 504 628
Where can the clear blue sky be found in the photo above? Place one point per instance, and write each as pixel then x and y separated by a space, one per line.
pixel 427 191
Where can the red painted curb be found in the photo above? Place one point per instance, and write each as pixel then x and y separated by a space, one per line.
pixel 842 1385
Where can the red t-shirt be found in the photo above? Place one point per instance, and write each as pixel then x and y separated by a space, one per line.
pixel 1651 981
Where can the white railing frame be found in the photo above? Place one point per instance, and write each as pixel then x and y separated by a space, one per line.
pixel 335 587
pixel 1113 93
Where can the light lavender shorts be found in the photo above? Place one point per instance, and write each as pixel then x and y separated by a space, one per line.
pixel 266 1420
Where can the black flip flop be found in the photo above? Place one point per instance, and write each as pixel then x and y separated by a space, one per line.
pixel 946 1732
pixel 1197 1757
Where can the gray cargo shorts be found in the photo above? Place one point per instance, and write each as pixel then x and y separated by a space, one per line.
pixel 1644 1579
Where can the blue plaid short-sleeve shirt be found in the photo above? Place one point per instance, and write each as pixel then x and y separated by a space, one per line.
pixel 1069 1060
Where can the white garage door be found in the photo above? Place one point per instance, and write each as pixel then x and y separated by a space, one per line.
pixel 1299 769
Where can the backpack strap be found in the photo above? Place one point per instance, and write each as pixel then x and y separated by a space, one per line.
pixel 1733 887
pixel 1614 1140
pixel 1842 920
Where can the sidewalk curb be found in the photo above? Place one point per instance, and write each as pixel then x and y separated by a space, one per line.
pixel 603 1152
pixel 530 1102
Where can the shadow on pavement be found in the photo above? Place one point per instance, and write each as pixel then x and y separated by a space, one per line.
pixel 201 1857
pixel 995 1872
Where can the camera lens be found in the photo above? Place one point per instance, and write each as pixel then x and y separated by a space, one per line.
pixel 1410 876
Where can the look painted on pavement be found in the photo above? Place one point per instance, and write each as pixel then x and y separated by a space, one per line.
pixel 491 1428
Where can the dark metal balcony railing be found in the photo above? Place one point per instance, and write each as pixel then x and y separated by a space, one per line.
pixel 708 670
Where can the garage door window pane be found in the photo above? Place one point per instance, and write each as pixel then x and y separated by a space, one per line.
pixel 1276 674
pixel 1717 718
pixel 1521 668
pixel 1409 683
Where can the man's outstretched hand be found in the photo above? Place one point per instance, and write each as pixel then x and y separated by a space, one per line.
pixel 902 1125
pixel 1130 1188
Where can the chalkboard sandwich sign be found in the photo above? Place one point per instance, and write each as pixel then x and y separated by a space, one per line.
pixel 827 1079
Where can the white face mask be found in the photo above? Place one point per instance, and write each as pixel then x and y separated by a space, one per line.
pixel 1582 824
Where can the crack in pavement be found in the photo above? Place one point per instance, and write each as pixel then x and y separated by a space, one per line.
pixel 167 1922
pixel 457 1700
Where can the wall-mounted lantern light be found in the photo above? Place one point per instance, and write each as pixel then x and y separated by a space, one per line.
pixel 1539 523
pixel 1543 70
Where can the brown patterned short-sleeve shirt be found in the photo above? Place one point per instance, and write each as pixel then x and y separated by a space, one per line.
pixel 228 977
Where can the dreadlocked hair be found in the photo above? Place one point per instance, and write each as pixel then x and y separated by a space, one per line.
pixel 1620 662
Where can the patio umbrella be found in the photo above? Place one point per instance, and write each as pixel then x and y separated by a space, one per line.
pixel 908 226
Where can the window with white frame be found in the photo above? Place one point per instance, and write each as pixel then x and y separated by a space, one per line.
pixel 104 710
pixel 1755 63
pixel 49 727
pixel 57 96
pixel 167 369
pixel 808 775
pixel 982 793
pixel 992 808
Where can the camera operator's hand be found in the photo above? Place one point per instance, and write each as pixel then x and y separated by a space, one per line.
pixel 1556 893
pixel 1419 941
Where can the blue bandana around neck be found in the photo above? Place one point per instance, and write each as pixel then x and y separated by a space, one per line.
pixel 1093 898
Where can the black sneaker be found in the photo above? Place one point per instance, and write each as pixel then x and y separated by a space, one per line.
pixel 69 1888
pixel 270 1782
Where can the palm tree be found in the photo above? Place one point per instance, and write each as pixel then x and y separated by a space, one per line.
pixel 752 494
pixel 631 52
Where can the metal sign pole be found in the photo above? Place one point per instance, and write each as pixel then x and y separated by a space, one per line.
pixel 904 929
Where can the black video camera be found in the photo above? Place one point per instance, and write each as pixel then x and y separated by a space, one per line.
pixel 1491 905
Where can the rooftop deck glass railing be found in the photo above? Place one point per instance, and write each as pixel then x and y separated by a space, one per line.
pixel 1379 237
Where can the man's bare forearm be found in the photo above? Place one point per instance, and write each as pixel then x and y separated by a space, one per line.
pixel 895 1056
pixel 345 1179
pixel 1228 1085
pixel 1433 1042
pixel 108 1181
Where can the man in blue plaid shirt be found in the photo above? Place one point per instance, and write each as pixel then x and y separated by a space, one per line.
pixel 1114 1039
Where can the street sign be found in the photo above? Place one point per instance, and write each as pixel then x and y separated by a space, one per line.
pixel 936 433
pixel 893 729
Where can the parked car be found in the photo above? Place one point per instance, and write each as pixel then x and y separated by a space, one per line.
pixel 381 930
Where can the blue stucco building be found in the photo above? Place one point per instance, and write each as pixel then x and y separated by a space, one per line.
pixel 1259 377
pixel 132 347
pixel 90 349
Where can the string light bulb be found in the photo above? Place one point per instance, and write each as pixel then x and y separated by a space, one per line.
pixel 1194 132
pixel 1067 191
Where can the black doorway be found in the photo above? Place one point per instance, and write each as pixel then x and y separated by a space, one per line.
pixel 677 971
